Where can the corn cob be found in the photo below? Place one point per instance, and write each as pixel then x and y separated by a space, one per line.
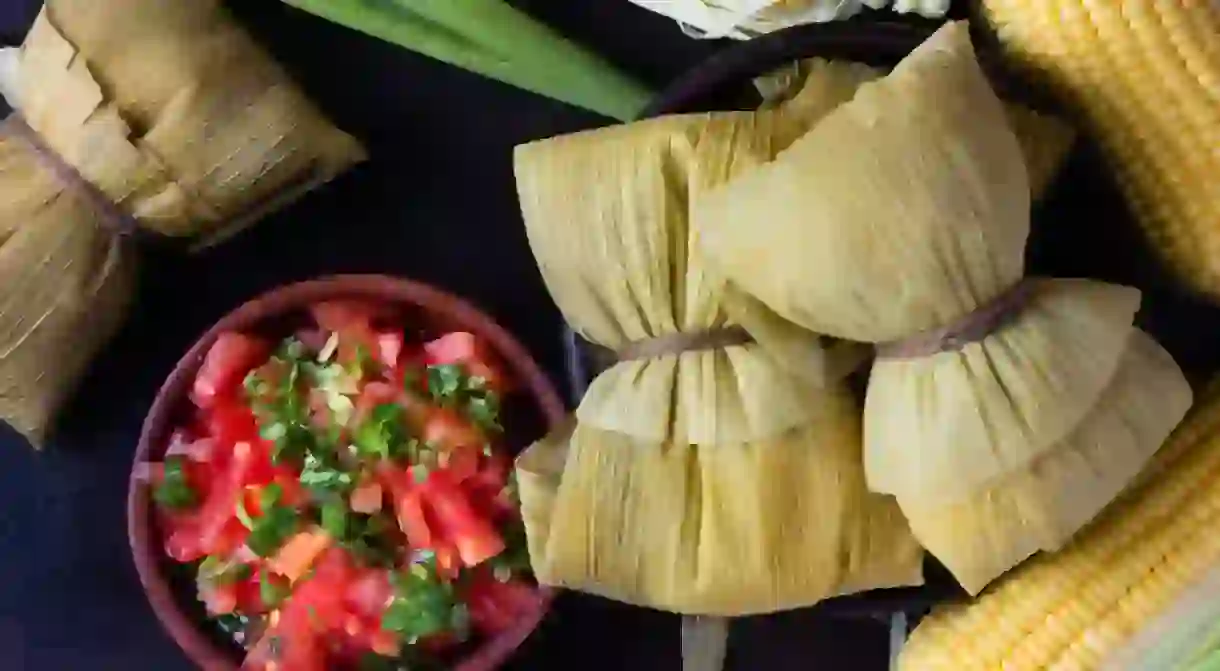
pixel 1145 77
pixel 1087 606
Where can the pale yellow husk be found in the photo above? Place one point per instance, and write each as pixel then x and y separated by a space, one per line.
pixel 172 112
pixel 1146 567
pixel 711 482
pixel 1040 506
pixel 1144 77
pixel 902 211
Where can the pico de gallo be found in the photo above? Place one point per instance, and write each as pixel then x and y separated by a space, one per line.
pixel 342 497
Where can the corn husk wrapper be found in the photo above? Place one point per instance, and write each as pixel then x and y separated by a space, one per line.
pixel 173 113
pixel 743 19
pixel 711 482
pixel 905 210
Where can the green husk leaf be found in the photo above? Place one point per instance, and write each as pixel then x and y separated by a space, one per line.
pixel 492 38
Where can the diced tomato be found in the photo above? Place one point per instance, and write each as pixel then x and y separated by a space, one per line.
pixel 389 348
pixel 448 563
pixel 219 599
pixel 366 498
pixel 447 428
pixel 462 463
pixel 472 354
pixel 409 508
pixel 298 555
pixel 230 423
pixel 369 594
pixel 354 322
pixel 219 510
pixel 182 543
pixel 475 538
pixel 225 365
pixel 250 592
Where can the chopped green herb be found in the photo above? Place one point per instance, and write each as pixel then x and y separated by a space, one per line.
pixel 235 625
pixel 275 526
pixel 420 473
pixel 272 591
pixel 423 604
pixel 451 387
pixel 363 361
pixel 383 435
pixel 324 480
pixel 173 491
pixel 334 519
pixel 445 381
pixel 485 411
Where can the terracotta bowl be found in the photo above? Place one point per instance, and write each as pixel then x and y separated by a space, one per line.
pixel 536 408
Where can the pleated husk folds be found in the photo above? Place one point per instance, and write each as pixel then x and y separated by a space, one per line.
pixel 711 482
pixel 173 113
pixel 706 482
pixel 902 211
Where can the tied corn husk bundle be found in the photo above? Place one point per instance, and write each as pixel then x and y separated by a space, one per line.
pixel 743 19
pixel 169 113
pixel 702 482
pixel 712 481
pixel 905 211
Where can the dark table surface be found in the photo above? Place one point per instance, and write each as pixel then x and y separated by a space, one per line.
pixel 436 203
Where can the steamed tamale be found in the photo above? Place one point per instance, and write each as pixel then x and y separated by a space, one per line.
pixel 710 481
pixel 159 116
pixel 901 219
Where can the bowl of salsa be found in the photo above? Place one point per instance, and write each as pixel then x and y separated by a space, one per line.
pixel 325 481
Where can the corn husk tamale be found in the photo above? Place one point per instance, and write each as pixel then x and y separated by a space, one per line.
pixel 905 211
pixel 171 112
pixel 706 482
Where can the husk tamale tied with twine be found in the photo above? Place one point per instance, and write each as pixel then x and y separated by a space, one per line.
pixel 699 475
pixel 132 117
pixel 1003 412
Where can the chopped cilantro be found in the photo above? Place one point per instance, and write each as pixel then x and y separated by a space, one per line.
pixel 173 491
pixel 451 387
pixel 275 526
pixel 383 435
pixel 334 519
pixel 322 477
pixel 423 603
pixel 324 480
pixel 271 591
pixel 445 381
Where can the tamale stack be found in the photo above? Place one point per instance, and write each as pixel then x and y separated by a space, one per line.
pixel 699 475
pixel 1003 412
pixel 133 117
pixel 709 481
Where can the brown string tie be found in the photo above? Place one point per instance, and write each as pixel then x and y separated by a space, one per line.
pixel 112 216
pixel 972 327
pixel 677 343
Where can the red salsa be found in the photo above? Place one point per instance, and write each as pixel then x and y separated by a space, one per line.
pixel 342 495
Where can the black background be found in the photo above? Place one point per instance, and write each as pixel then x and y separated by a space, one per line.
pixel 435 203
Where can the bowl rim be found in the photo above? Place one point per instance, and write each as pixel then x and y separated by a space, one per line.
pixel 147 555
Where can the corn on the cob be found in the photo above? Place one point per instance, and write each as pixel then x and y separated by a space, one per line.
pixel 1136 569
pixel 1145 76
